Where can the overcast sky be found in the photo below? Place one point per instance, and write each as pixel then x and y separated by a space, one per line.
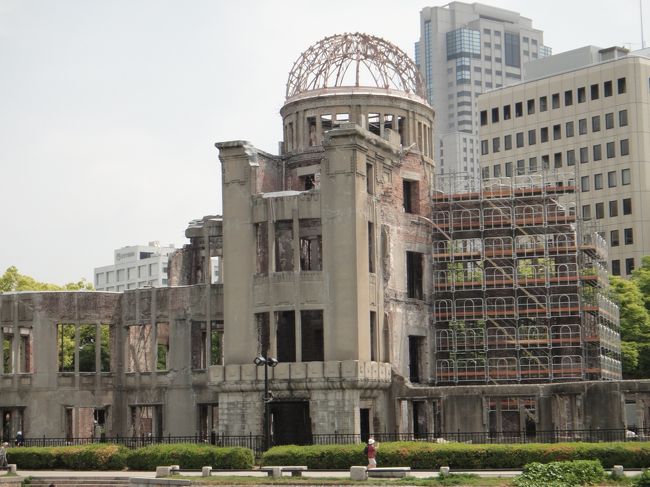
pixel 109 110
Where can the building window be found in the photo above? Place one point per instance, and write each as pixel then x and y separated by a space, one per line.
pixel 626 178
pixel 532 164
pixel 506 112
pixel 568 98
pixel 621 84
pixel 568 129
pixel 611 179
pixel 495 115
pixel 582 95
pixel 584 155
pixel 627 206
pixel 543 104
pixel 484 117
pixel 616 267
pixel 594 92
pixel 557 160
pixel 532 137
pixel 519 109
pixel 484 147
pixel 625 147
pixel 597 152
pixel 512 50
pixel 582 126
pixel 613 208
pixel 496 144
pixel 613 238
pixel 545 163
pixel 555 100
pixel 628 236
pixel 509 169
pixel 609 120
pixel 571 157
pixel 584 183
pixel 507 142
pixel 611 152
pixel 595 123
pixel 496 170
pixel 543 134
pixel 520 139
pixel 520 167
pixel 607 88
pixel 557 132
pixel 586 212
pixel 598 181
pixel 600 210
pixel 414 275
pixel 622 118
pixel 629 265
pixel 530 106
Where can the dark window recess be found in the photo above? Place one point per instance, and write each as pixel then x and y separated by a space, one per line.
pixel 373 336
pixel 628 236
pixel 371 247
pixel 613 238
pixel 568 98
pixel 414 271
pixel 613 208
pixel 495 115
pixel 607 88
pixel 507 142
pixel 519 139
pixel 506 112
pixel 512 49
pixel 595 123
pixel 543 104
pixel 622 87
pixel 286 335
pixel 311 325
pixel 594 91
pixel 543 134
pixel 410 195
pixel 415 351
pixel 629 265
pixel 555 100
pixel 616 267
pixel 532 137
pixel 484 117
pixel 627 206
pixel 557 132
pixel 582 95
pixel 519 109
pixel 530 106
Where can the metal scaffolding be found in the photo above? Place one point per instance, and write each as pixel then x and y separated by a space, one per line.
pixel 519 284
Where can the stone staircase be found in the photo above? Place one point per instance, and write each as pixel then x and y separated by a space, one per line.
pixel 38 481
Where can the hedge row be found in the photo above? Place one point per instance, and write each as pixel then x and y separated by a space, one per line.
pixel 561 474
pixel 460 455
pixel 114 457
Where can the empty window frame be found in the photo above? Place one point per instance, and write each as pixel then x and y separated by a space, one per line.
pixel 286 336
pixel 140 348
pixel 162 346
pixel 410 194
pixel 284 245
pixel 311 244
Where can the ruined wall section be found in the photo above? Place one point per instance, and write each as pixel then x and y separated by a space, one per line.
pixel 406 228
pixel 268 173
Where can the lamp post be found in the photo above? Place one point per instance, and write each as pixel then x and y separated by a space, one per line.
pixel 268 397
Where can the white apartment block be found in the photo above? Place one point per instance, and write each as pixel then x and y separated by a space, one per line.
pixel 135 266
pixel 588 116
pixel 465 49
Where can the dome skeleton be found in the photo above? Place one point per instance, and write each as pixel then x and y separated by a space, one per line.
pixel 327 64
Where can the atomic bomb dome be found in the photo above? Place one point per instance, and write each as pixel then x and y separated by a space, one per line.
pixel 354 60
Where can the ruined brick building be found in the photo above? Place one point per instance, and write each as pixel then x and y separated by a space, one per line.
pixel 391 304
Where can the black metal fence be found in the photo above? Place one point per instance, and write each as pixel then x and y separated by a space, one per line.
pixel 256 442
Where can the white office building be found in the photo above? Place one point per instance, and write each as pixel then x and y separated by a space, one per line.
pixel 584 113
pixel 465 49
pixel 135 266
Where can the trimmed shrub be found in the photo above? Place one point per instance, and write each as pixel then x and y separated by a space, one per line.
pixel 190 456
pixel 561 474
pixel 422 455
pixel 85 457
pixel 643 480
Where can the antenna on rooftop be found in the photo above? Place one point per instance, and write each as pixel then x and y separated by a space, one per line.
pixel 641 17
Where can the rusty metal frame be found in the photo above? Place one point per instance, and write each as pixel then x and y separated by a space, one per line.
pixel 342 59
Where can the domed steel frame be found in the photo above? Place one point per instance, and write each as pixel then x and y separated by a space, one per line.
pixel 340 59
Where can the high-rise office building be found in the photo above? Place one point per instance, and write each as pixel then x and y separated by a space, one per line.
pixel 465 49
pixel 584 111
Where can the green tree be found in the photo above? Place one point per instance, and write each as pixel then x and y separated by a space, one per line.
pixel 12 280
pixel 641 276
pixel 635 318
pixel 630 359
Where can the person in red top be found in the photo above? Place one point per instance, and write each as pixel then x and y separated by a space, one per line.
pixel 372 453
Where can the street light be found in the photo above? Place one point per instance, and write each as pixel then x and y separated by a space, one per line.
pixel 268 397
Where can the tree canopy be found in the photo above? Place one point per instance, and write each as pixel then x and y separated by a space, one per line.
pixel 12 280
